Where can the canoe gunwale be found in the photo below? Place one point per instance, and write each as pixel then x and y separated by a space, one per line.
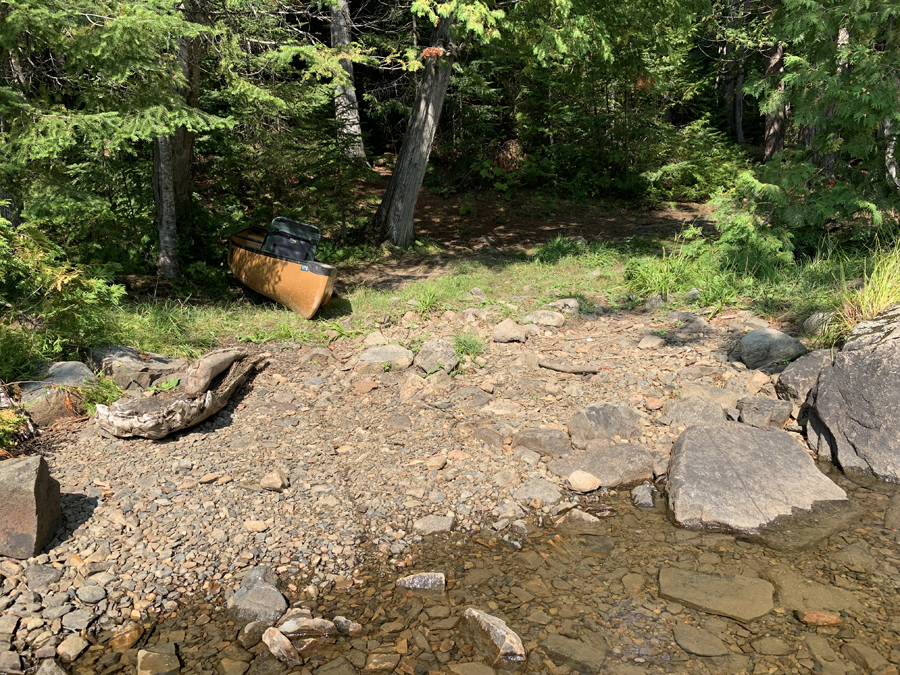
pixel 315 267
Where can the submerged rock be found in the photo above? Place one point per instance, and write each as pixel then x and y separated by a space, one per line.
pixel 736 597
pixel 424 582
pixel 498 643
pixel 578 655
pixel 753 482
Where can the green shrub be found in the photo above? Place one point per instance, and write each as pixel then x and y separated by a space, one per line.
pixel 103 391
pixel 468 344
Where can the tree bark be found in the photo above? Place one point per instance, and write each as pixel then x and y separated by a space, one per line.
pixel 346 104
pixel 164 196
pixel 890 158
pixel 775 122
pixel 394 218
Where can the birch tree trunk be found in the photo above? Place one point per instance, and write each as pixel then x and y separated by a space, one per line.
pixel 394 218
pixel 164 196
pixel 346 105
pixel 890 158
pixel 775 121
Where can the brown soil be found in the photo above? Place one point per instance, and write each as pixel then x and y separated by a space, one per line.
pixel 464 224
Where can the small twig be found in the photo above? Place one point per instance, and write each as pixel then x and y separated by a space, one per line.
pixel 561 367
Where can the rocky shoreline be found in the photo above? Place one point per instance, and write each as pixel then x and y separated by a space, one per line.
pixel 332 459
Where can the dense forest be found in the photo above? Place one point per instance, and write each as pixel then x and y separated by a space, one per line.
pixel 137 135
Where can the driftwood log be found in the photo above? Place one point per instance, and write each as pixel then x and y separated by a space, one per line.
pixel 207 386
pixel 562 367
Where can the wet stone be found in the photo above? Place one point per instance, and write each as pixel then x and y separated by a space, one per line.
pixel 499 645
pixel 698 641
pixel 578 655
pixel 772 646
pixel 425 582
pixel 736 597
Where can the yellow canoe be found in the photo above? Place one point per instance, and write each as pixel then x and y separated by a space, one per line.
pixel 303 286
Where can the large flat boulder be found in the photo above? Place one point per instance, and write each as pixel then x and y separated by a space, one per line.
pixel 46 401
pixel 127 366
pixel 754 482
pixel 855 409
pixel 604 421
pixel 29 507
pixel 736 597
pixel 613 464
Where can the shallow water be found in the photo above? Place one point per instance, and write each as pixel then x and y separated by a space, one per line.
pixel 599 586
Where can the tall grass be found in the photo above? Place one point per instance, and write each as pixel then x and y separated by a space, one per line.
pixel 879 291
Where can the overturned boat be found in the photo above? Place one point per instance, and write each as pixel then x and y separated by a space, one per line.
pixel 280 264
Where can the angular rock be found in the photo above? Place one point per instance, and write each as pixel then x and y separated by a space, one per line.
pixel 10 663
pixel 543 317
pixel 433 524
pixel 763 413
pixel 126 636
pixel 736 597
pixel 816 323
pixel 78 620
pixel 424 582
pixel 29 508
pixel 865 656
pixel 726 398
pixel 302 627
pixel 280 647
pixel 49 667
pixel 126 365
pixel 252 633
pixel 582 481
pixel 40 577
pixel 603 421
pixel 381 663
pixel 800 377
pixel 275 481
pixel 566 305
pixel 499 645
pixel 767 346
pixel 548 442
pixel 257 599
pixel 46 400
pixel 692 410
pixel 393 357
pixel 772 646
pixel 698 641
pixel 642 496
pixel 232 667
pixel 436 355
pixel 538 488
pixel 614 464
pixel 156 663
pixel 509 331
pixel 578 655
pixel 795 592
pixel 579 522
pixel 71 648
pixel 753 482
pixel 815 617
pixel 348 627
pixel 651 342
pixel 855 408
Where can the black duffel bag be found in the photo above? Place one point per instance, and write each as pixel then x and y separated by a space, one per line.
pixel 285 245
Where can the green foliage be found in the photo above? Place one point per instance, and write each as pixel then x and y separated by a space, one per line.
pixel 168 385
pixel 880 290
pixel 468 344
pixel 103 391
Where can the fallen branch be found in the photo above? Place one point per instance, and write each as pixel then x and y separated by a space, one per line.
pixel 561 367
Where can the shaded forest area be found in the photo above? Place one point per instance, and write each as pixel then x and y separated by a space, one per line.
pixel 138 135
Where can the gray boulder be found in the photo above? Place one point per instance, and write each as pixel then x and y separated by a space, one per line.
pixel 854 413
pixel 614 464
pixel 758 483
pixel 29 507
pixel 127 365
pixel 257 599
pixel 544 317
pixel 767 346
pixel 799 378
pixel 552 442
pixel 538 488
pixel 603 421
pixel 46 400
pixel 436 355
pixel 764 412
pixel 692 410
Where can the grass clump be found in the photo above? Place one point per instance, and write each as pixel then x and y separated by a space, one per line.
pixel 103 391
pixel 468 344
pixel 880 291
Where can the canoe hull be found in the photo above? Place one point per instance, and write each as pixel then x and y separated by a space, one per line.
pixel 301 286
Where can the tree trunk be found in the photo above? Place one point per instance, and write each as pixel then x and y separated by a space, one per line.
pixel 775 122
pixel 164 196
pixel 739 107
pixel 183 139
pixel 345 101
pixel 890 158
pixel 394 218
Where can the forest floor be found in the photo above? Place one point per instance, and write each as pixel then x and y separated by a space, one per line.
pixel 462 225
